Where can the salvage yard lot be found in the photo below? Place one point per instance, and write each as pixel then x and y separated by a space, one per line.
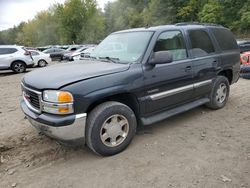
pixel 200 148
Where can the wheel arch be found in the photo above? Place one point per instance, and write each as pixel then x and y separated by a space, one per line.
pixel 42 60
pixel 128 99
pixel 17 61
pixel 228 73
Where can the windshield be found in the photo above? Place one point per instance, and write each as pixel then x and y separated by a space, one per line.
pixel 127 47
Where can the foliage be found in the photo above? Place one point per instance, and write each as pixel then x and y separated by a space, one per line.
pixel 80 21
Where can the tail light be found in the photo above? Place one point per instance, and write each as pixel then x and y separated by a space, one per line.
pixel 27 53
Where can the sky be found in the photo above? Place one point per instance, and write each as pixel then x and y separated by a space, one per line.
pixel 13 12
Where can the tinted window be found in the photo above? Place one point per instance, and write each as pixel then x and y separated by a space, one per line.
pixel 7 50
pixel 48 51
pixel 225 39
pixel 201 43
pixel 58 50
pixel 173 42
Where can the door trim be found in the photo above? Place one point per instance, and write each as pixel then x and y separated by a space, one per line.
pixel 171 92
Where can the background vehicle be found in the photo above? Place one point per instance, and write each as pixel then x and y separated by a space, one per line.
pixel 16 58
pixel 68 53
pixel 245 58
pixel 155 73
pixel 55 53
pixel 244 45
pixel 40 59
pixel 84 54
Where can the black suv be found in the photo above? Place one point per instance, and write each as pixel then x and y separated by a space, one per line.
pixel 134 77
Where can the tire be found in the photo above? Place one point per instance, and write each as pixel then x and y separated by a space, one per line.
pixel 245 75
pixel 103 135
pixel 42 63
pixel 18 67
pixel 219 94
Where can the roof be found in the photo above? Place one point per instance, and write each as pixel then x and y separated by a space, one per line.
pixel 173 26
pixel 10 46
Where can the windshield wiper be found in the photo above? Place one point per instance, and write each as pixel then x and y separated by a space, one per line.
pixel 112 59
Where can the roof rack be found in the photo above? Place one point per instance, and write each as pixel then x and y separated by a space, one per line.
pixel 196 23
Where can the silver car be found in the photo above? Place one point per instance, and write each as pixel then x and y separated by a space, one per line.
pixel 15 58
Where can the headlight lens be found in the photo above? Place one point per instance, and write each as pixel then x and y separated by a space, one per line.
pixel 245 58
pixel 57 96
pixel 57 102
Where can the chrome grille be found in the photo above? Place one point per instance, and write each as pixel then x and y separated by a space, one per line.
pixel 32 98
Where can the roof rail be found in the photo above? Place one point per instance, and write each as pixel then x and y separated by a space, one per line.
pixel 196 23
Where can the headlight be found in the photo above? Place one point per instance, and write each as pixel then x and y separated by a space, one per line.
pixel 57 102
pixel 245 58
pixel 77 57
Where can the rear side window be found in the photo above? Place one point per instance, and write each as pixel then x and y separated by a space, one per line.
pixel 173 42
pixel 201 43
pixel 7 50
pixel 225 39
pixel 34 53
pixel 58 50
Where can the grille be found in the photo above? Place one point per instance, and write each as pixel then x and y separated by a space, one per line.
pixel 32 97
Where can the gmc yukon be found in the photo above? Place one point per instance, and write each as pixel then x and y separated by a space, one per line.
pixel 134 77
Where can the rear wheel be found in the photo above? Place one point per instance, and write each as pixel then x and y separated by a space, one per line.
pixel 18 67
pixel 42 63
pixel 219 94
pixel 110 128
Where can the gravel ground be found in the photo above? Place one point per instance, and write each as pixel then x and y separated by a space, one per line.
pixel 200 148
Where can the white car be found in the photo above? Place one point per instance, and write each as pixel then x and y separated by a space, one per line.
pixel 40 59
pixel 84 53
pixel 15 58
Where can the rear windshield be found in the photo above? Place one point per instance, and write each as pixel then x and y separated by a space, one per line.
pixel 225 39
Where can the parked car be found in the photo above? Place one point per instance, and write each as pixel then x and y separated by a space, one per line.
pixel 69 56
pixel 83 54
pixel 68 53
pixel 40 59
pixel 56 54
pixel 15 58
pixel 245 58
pixel 159 72
pixel 244 45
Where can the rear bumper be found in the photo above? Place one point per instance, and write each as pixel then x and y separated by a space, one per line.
pixel 64 128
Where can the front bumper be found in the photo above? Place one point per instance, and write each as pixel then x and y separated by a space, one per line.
pixel 64 128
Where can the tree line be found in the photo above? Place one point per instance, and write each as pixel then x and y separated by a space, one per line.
pixel 81 21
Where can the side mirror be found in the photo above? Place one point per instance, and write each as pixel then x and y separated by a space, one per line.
pixel 160 57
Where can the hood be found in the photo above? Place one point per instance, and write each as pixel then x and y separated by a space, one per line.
pixel 57 76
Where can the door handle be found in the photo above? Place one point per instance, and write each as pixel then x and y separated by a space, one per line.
pixel 188 68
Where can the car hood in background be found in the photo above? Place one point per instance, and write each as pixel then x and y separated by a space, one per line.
pixel 57 76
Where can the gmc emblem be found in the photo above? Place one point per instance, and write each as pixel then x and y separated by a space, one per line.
pixel 26 96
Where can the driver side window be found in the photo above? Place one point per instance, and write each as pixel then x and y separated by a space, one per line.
pixel 172 41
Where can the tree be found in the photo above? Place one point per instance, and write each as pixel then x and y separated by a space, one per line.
pixel 212 12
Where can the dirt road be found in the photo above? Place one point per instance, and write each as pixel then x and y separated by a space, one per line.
pixel 200 148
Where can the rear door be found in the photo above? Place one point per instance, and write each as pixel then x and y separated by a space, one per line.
pixel 169 85
pixel 6 57
pixel 205 59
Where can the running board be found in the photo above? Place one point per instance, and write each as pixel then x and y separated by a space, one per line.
pixel 169 113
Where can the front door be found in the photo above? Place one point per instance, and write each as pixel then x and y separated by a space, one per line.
pixel 171 84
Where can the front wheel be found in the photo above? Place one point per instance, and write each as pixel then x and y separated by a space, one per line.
pixel 42 63
pixel 219 94
pixel 111 127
